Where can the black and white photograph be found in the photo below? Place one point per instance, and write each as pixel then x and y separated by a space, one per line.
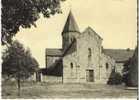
pixel 69 49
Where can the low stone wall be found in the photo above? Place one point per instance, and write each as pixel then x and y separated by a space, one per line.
pixel 52 79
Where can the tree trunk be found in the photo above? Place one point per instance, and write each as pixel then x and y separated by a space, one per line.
pixel 18 85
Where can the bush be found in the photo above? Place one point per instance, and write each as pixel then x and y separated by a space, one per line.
pixel 115 78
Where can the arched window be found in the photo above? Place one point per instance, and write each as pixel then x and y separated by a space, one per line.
pixel 89 52
pixel 71 71
pixel 72 39
pixel 71 65
pixel 107 66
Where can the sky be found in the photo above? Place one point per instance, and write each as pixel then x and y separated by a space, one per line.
pixel 113 20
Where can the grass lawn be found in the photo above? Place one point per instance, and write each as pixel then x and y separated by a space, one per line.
pixel 58 90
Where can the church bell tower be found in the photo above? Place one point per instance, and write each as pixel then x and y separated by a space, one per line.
pixel 70 31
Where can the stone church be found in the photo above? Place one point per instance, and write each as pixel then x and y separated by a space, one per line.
pixel 81 58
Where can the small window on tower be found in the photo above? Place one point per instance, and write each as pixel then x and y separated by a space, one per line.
pixel 89 52
pixel 71 65
pixel 72 39
pixel 107 66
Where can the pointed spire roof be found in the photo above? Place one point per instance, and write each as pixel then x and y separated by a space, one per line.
pixel 70 25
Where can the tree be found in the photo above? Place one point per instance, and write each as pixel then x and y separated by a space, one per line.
pixel 130 70
pixel 18 62
pixel 134 69
pixel 24 13
pixel 125 71
pixel 115 78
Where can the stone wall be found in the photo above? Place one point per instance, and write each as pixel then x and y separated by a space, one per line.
pixel 107 64
pixel 87 57
pixel 88 51
pixel 51 79
pixel 70 68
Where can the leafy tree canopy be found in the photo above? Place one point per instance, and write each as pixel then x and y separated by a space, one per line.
pixel 24 13
pixel 18 61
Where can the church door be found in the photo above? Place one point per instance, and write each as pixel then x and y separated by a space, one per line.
pixel 90 75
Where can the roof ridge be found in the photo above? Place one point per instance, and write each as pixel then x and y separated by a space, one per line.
pixel 119 55
pixel 90 28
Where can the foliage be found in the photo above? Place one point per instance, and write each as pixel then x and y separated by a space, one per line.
pixel 115 78
pixel 17 61
pixel 24 13
pixel 125 71
pixel 130 70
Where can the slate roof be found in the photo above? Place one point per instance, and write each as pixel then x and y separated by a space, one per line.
pixel 119 54
pixel 71 48
pixel 70 25
pixel 53 52
pixel 60 52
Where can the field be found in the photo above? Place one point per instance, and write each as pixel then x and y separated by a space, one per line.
pixel 59 90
